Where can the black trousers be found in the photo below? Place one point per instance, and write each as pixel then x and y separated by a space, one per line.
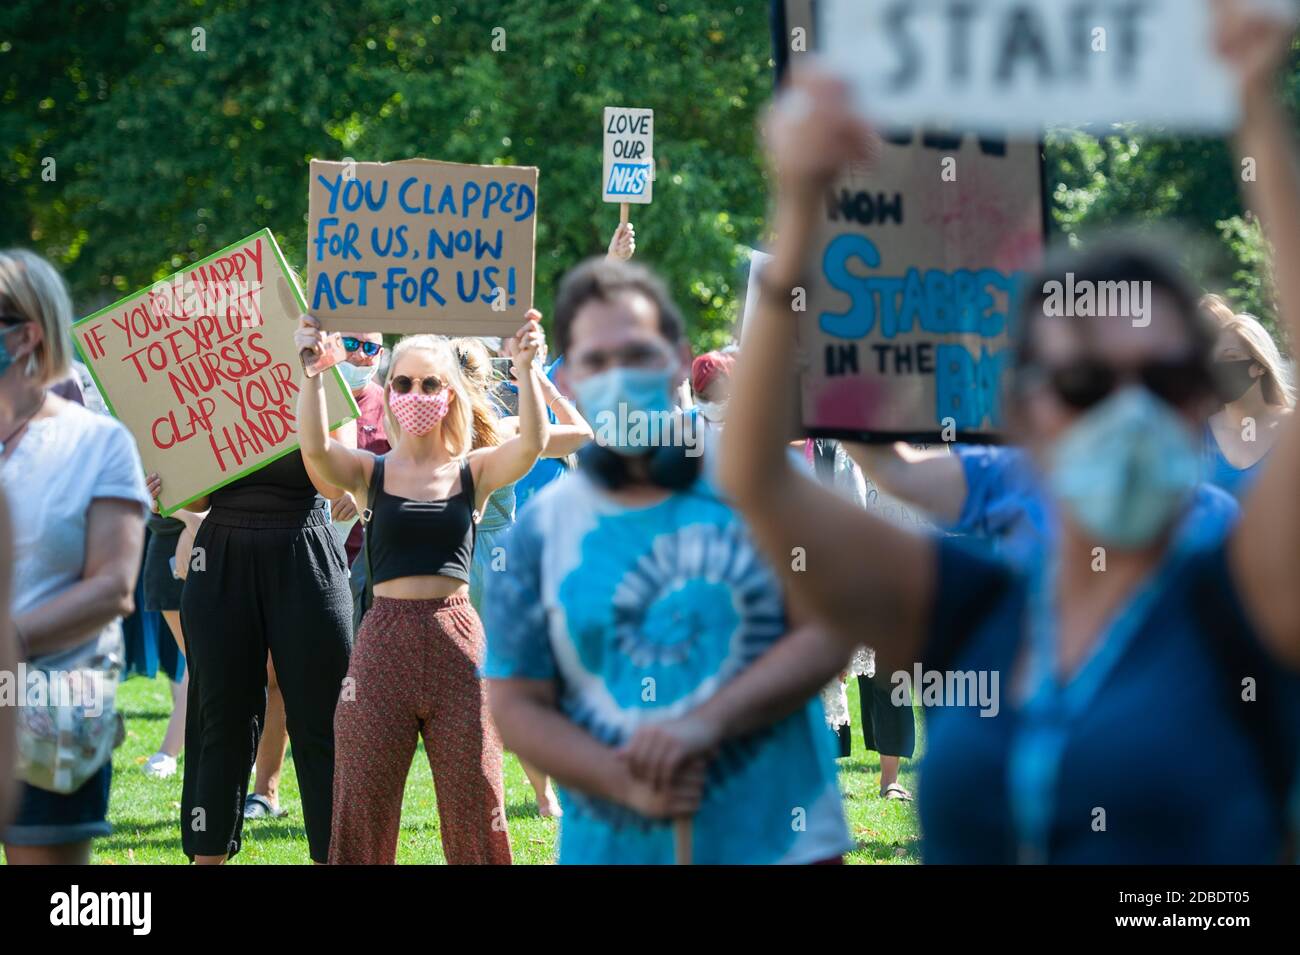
pixel 276 582
pixel 888 729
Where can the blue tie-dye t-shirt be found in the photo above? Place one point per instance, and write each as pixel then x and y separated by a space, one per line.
pixel 639 615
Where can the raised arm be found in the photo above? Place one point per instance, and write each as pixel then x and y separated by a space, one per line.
pixel 561 439
pixel 511 460
pixel 1265 550
pixel 571 430
pixel 622 243
pixel 568 434
pixel 346 435
pixel 933 480
pixel 328 461
pixel 862 577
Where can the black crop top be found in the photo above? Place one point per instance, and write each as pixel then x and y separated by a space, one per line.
pixel 418 538
pixel 283 485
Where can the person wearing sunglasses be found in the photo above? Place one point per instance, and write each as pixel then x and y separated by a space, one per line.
pixel 992 493
pixel 414 668
pixel 1135 672
pixel 76 485
pixel 1257 394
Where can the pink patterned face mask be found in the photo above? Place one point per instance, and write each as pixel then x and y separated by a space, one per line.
pixel 419 413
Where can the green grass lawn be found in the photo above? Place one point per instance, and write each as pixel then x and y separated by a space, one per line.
pixel 145 812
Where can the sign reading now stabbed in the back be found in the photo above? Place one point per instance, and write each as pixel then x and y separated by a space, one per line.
pixel 1020 65
pixel 421 246
pixel 201 368
pixel 912 277
pixel 629 154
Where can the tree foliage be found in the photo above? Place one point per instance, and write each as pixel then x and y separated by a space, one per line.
pixel 163 152
pixel 1193 185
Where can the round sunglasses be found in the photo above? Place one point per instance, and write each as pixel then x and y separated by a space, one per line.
pixel 404 383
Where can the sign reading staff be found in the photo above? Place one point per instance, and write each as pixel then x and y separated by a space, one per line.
pixel 629 154
pixel 911 280
pixel 421 246
pixel 202 369
pixel 1020 65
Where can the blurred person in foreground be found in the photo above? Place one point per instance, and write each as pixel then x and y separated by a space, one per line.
pixel 77 547
pixel 1139 688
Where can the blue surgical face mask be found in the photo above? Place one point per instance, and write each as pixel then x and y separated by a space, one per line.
pixel 356 375
pixel 614 401
pixel 1125 470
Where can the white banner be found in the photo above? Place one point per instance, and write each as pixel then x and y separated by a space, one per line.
pixel 1016 66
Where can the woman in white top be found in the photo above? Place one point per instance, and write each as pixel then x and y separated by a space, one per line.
pixel 76 488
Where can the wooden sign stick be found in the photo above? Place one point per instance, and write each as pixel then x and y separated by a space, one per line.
pixel 683 837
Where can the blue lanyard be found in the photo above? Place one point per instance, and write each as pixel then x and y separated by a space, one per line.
pixel 1044 718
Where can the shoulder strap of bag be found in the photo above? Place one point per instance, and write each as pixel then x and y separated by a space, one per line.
pixel 376 481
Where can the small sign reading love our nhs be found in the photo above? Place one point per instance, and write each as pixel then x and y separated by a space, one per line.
pixel 629 154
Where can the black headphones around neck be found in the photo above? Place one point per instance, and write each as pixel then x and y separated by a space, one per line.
pixel 669 466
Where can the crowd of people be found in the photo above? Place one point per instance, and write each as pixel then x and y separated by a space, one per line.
pixel 663 630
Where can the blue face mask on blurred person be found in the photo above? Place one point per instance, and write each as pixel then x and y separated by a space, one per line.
pixel 625 405
pixel 1125 469
pixel 356 375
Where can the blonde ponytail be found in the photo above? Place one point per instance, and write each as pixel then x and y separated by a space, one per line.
pixel 475 365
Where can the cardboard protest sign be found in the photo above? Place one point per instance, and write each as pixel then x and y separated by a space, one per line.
pixel 1020 65
pixel 421 246
pixel 911 279
pixel 201 368
pixel 629 155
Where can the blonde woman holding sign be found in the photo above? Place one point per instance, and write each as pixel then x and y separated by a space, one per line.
pixel 415 668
